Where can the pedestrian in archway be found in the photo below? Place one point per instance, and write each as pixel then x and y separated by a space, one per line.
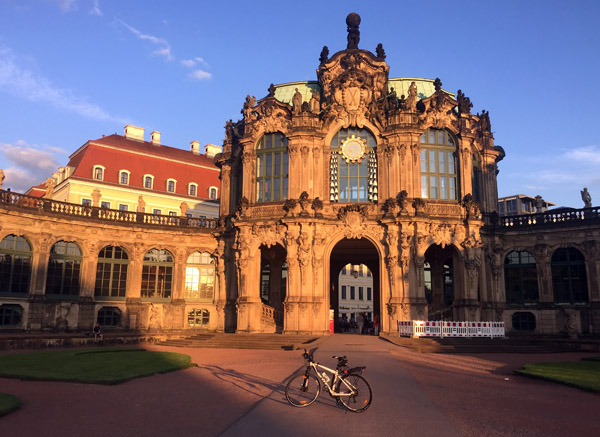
pixel 360 321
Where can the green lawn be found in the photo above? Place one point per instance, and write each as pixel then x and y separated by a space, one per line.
pixel 583 374
pixel 8 403
pixel 96 366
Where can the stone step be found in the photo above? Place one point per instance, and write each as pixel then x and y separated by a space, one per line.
pixel 243 341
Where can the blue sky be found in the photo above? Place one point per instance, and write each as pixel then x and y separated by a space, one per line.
pixel 73 70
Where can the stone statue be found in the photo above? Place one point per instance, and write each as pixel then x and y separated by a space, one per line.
pixel 183 207
pixel 411 100
pixel 353 21
pixel 464 103
pixel 484 121
pixel 380 52
pixel 539 204
pixel 315 102
pixel 248 105
pixel 2 177
pixel 324 55
pixel 49 187
pixel 297 102
pixel 271 90
pixel 96 195
pixel 141 204
pixel 587 199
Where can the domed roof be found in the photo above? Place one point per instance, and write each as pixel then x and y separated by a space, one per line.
pixel 425 88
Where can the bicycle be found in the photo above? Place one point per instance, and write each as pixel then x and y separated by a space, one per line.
pixel 347 386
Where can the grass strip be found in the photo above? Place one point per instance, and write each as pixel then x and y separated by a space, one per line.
pixel 102 366
pixel 8 403
pixel 584 374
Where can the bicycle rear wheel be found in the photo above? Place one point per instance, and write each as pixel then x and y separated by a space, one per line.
pixel 355 393
pixel 302 389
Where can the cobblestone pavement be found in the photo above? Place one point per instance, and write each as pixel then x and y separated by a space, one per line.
pixel 235 391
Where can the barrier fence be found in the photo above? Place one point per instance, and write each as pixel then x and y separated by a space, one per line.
pixel 420 328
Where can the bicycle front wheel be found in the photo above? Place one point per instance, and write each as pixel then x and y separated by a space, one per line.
pixel 302 389
pixel 355 393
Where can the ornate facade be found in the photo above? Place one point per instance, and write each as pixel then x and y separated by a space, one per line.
pixel 353 168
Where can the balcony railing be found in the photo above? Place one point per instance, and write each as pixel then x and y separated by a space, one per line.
pixel 11 200
pixel 583 216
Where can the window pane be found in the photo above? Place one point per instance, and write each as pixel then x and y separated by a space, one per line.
pixel 433 189
pixel 442 156
pixel 424 187
pixel 443 188
pixel 432 162
pixel 423 160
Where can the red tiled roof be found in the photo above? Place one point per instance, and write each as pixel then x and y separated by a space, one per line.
pixel 116 153
pixel 37 191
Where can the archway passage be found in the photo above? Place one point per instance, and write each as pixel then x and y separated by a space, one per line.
pixel 356 253
pixel 273 281
pixel 440 281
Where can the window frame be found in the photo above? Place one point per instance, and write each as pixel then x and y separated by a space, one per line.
pixel 192 186
pixel 167 185
pixel 16 275
pixel 144 178
pixel 517 275
pixel 151 274
pixel 116 287
pixel 204 262
pixel 271 186
pixel 127 173
pixel 58 282
pixel 431 172
pixel 102 169
pixel 213 193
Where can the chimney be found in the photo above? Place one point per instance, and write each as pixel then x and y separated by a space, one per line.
pixel 210 150
pixel 134 133
pixel 155 138
pixel 195 147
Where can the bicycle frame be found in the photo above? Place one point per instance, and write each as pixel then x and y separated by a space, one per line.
pixel 329 382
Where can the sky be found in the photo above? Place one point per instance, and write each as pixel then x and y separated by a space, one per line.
pixel 74 70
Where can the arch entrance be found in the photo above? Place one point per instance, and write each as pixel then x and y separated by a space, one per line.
pixel 441 281
pixel 360 260
pixel 273 280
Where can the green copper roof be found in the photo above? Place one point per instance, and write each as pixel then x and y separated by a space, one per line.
pixel 285 91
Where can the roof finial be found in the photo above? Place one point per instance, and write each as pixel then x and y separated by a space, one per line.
pixel 353 21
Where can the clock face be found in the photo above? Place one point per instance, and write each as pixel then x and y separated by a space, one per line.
pixel 353 149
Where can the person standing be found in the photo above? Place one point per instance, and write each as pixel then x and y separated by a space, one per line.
pixel 360 321
pixel 376 324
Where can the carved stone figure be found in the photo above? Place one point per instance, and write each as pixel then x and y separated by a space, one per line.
pixel 304 203
pixel 248 105
pixel 183 207
pixel 411 100
pixel 271 90
pixel 353 21
pixel 2 177
pixel 141 204
pixel 324 55
pixel 297 102
pixel 49 187
pixel 539 204
pixel 380 52
pixel 401 201
pixel 317 205
pixel 464 103
pixel 484 121
pixel 96 195
pixel 315 102
pixel 587 198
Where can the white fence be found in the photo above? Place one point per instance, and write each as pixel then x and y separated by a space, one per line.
pixel 420 328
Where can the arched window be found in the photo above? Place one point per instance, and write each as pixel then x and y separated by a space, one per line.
pixel 124 177
pixel 192 189
pixel 15 265
pixel 523 321
pixel 10 314
pixel 111 272
pixel 200 276
pixel 476 178
pixel 148 181
pixel 438 165
pixel 569 278
pixel 520 278
pixel 198 317
pixel 353 166
pixel 272 168
pixel 64 267
pixel 212 193
pixel 157 274
pixel 109 316
pixel 171 185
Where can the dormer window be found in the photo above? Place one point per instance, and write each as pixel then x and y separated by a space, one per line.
pixel 148 181
pixel 192 189
pixel 171 184
pixel 124 177
pixel 98 173
pixel 212 193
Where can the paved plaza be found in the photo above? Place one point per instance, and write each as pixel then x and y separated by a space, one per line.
pixel 241 392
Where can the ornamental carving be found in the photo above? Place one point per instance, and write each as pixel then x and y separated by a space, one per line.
pixel 269 235
pixel 441 234
pixel 471 207
pixel 269 116
pixel 353 217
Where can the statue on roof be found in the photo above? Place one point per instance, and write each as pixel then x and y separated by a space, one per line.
pixel 353 21
pixel 437 83
pixel 587 198
pixel 271 90
pixel 96 195
pixel 141 206
pixel 297 102
pixel 464 103
pixel 315 102
pixel 411 100
pixel 49 187
pixel 380 52
pixel 484 121
pixel 2 177
pixel 324 55
pixel 248 105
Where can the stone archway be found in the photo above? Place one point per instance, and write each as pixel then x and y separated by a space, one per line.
pixel 442 281
pixel 354 252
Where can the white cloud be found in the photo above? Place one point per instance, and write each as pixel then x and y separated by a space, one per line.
pixel 23 83
pixel 587 155
pixel 29 164
pixel 65 5
pixel 95 9
pixel 190 63
pixel 200 75
pixel 164 49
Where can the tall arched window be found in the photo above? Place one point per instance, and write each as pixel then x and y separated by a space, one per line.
pixel 569 278
pixel 157 274
pixel 520 278
pixel 353 166
pixel 64 267
pixel 200 276
pixel 438 165
pixel 272 168
pixel 111 272
pixel 15 265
